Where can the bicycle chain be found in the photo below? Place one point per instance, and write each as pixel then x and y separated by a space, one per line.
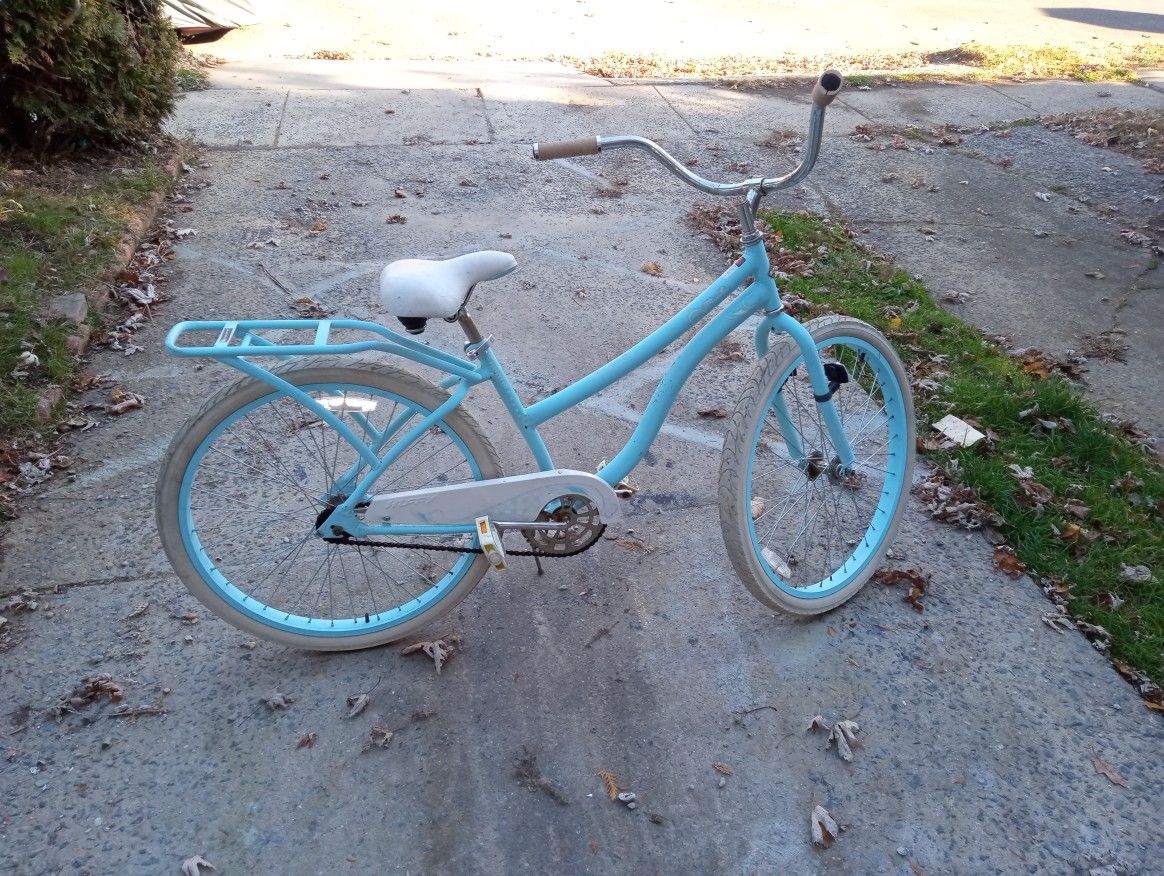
pixel 363 542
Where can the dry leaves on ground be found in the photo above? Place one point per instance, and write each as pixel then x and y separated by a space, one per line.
pixel 276 701
pixel 824 829
pixel 121 401
pixel 844 734
pixel 195 865
pixel 610 780
pixel 440 650
pixel 379 737
pixel 722 768
pixel 1030 494
pixel 653 268
pixel 915 578
pixel 306 740
pixel 817 723
pixel 1108 771
pixel 954 504
pixel 1006 561
pixel 308 308
pixel 90 690
pixel 713 413
pixel 396 219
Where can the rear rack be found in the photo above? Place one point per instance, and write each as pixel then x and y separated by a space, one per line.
pixel 240 338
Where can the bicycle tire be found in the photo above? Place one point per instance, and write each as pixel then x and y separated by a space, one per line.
pixel 267 469
pixel 777 571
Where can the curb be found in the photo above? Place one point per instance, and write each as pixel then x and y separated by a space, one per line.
pixel 139 224
pixel 97 297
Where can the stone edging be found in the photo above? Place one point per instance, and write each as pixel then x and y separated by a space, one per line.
pixel 75 306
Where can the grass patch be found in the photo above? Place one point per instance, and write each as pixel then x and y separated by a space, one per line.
pixel 1106 492
pixel 1056 62
pixel 191 79
pixel 58 232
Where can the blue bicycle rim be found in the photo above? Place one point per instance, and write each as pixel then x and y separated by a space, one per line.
pixel 280 619
pixel 897 453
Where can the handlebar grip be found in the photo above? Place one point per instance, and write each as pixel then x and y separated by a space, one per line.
pixel 826 88
pixel 565 148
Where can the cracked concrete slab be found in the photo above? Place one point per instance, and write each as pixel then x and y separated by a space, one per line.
pixel 980 722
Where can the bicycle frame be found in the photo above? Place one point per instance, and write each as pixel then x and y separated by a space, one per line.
pixel 238 343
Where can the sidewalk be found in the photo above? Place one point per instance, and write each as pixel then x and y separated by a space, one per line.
pixel 981 724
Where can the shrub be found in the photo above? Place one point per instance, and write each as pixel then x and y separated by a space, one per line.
pixel 78 73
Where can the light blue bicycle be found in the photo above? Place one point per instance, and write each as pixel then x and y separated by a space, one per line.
pixel 329 503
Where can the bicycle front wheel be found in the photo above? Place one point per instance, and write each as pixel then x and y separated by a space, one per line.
pixel 803 537
pixel 246 482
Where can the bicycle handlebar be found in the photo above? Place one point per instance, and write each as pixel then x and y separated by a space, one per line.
pixel 823 93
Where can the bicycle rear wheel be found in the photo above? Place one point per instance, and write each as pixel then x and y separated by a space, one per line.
pixel 802 537
pixel 245 482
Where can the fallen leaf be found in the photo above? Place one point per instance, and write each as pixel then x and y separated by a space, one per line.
pixel 194 866
pixel 1098 275
pixel 440 650
pixel 1078 509
pixel 757 507
pixel 917 869
pixel 91 689
pixel 357 703
pixel 824 829
pixel 317 228
pixel 653 268
pixel 1043 196
pixel 594 846
pixel 715 413
pixel 1006 561
pixel 120 402
pixel 722 768
pixel 611 782
pixel 1108 772
pixel 276 701
pixel 399 193
pixel 306 741
pixel 915 578
pixel 138 611
pixel 817 723
pixel 379 737
pixel 1107 599
pixel 396 219
pixel 844 734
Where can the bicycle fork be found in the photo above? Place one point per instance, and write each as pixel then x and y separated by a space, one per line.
pixel 822 390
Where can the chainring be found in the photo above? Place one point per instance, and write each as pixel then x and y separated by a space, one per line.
pixel 582 529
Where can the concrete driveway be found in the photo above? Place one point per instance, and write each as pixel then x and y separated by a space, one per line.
pixel 981 725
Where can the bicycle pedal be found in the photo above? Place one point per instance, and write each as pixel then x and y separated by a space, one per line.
pixel 490 542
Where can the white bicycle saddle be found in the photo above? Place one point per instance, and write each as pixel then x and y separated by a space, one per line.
pixel 415 290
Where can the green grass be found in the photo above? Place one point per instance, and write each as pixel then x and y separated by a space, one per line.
pixel 1057 62
pixel 1121 485
pixel 191 79
pixel 58 232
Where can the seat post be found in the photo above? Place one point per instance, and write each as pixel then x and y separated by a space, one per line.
pixel 470 328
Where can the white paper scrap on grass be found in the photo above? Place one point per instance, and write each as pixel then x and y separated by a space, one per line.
pixel 958 431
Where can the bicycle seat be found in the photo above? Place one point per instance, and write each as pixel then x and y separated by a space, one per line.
pixel 416 290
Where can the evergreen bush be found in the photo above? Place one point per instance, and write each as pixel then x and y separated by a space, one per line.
pixel 82 73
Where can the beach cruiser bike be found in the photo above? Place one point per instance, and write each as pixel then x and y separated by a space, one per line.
pixel 334 503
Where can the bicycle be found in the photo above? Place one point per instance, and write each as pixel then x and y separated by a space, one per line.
pixel 332 504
